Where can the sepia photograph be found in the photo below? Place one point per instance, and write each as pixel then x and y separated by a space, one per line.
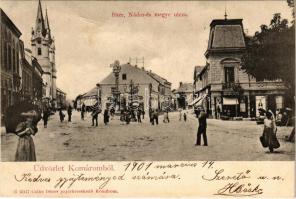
pixel 147 80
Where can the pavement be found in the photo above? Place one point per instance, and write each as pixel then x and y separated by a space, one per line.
pixel 174 141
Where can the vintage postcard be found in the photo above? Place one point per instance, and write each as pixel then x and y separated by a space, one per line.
pixel 147 98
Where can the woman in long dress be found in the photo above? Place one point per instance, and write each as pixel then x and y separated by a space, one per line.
pixel 270 132
pixel 26 149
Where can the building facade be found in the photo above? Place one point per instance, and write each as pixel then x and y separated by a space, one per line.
pixel 9 56
pixel 184 95
pixel 137 87
pixel 61 99
pixel 43 49
pixel 222 82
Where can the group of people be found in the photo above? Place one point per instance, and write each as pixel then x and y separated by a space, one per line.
pixel 128 115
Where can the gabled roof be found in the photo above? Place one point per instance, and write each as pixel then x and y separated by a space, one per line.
pixel 185 87
pixel 158 78
pixel 140 75
pixel 92 92
pixel 61 91
pixel 5 19
pixel 197 70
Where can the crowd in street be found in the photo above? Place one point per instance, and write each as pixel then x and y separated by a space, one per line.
pixel 28 118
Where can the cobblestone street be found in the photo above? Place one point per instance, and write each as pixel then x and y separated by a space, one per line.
pixel 79 141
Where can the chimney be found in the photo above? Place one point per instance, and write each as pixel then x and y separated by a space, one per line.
pixel 181 84
pixel 143 68
pixel 150 71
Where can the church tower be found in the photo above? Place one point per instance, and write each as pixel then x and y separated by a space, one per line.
pixel 43 49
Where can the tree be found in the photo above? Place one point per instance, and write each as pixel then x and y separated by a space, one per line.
pixel 270 53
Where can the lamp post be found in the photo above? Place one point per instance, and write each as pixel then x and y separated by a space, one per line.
pixel 116 70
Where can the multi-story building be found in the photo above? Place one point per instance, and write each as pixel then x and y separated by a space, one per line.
pixel 135 85
pixel 184 95
pixel 43 49
pixel 225 84
pixel 31 75
pixel 9 57
pixel 61 99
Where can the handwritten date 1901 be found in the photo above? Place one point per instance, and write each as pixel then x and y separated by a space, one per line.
pixel 135 166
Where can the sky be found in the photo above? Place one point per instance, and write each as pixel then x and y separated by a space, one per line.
pixel 88 38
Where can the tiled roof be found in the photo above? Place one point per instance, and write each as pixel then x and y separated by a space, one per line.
pixel 185 87
pixel 92 92
pixel 158 78
pixel 140 75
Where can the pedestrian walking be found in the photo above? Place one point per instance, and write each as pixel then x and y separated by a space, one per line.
pixel 218 111
pixel 128 116
pixel 269 138
pixel 151 115
pixel 95 113
pixel 69 113
pixel 166 117
pixel 185 116
pixel 180 114
pixel 143 113
pixel 112 112
pixel 139 113
pixel 155 117
pixel 62 115
pixel 25 148
pixel 46 113
pixel 106 116
pixel 82 111
pixel 202 128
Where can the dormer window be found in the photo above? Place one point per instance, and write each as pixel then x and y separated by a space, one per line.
pixel 39 51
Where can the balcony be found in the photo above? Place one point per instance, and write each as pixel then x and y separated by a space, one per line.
pixel 230 85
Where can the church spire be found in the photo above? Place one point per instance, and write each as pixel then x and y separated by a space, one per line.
pixel 47 24
pixel 39 27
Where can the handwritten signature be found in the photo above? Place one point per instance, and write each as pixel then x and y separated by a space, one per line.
pixel 238 189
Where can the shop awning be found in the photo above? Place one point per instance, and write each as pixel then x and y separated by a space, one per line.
pixel 229 101
pixel 197 101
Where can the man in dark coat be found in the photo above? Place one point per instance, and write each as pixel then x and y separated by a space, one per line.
pixel 139 113
pixel 69 113
pixel 155 117
pixel 46 114
pixel 106 116
pixel 82 111
pixel 95 112
pixel 202 128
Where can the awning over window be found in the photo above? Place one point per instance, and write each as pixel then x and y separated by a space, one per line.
pixel 197 101
pixel 230 101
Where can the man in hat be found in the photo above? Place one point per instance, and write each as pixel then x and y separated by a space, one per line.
pixel 202 128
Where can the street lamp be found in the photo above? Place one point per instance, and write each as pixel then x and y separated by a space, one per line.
pixel 116 70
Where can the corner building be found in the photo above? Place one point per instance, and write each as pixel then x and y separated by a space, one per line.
pixel 222 82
